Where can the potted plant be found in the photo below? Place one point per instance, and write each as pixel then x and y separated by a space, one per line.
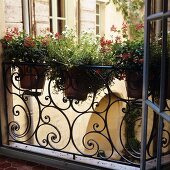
pixel 27 52
pixel 128 56
pixel 69 57
pixel 129 59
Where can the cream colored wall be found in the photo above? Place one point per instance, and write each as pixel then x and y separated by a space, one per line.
pixel 112 17
pixel 87 21
pixel 13 14
pixel 2 103
pixel 114 119
pixel 2 21
pixel 87 15
pixel 84 123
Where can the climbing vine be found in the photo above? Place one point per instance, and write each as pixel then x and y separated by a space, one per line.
pixel 132 11
pixel 129 8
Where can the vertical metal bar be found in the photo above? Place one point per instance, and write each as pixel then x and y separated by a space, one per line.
pixel 162 85
pixel 163 59
pixel 159 143
pixel 145 87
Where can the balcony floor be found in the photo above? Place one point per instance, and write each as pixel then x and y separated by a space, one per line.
pixel 7 163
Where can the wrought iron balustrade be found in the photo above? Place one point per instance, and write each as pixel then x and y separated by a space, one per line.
pixel 104 125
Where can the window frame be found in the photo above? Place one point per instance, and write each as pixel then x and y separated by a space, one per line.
pixel 101 16
pixel 53 15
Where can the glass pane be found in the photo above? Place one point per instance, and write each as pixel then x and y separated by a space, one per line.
pixel 153 141
pixel 97 30
pixel 97 9
pixel 61 26
pixel 50 7
pixel 61 8
pixel 51 25
pixel 156 6
pixel 152 134
pixel 167 76
pixel 155 53
pixel 97 19
pixel 165 146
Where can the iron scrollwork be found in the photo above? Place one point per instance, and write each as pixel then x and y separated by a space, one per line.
pixel 103 125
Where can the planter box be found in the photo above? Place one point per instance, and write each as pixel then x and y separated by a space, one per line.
pixel 32 77
pixel 134 83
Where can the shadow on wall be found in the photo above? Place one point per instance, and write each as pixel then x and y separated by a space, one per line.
pixel 103 137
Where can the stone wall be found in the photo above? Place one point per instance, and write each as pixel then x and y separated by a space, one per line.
pixel 41 18
pixel 87 15
pixel 13 14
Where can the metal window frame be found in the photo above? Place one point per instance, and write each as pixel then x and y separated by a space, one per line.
pixel 146 103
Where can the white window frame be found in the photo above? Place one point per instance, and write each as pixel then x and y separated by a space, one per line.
pixel 54 16
pixel 101 15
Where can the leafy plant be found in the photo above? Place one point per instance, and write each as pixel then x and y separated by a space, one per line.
pixel 18 46
pixel 133 14
pixel 127 54
pixel 70 52
pixel 133 114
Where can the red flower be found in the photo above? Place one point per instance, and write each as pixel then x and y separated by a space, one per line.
pixel 113 28
pixel 126 56
pixel 29 42
pixel 105 44
pixel 124 26
pixel 118 39
pixel 15 31
pixel 139 26
pixel 57 35
pixel 45 41
pixel 8 37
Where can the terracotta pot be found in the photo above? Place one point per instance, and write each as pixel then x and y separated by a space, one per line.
pixel 75 84
pixel 32 77
pixel 134 82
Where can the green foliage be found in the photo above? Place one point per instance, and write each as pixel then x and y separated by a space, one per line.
pixel 132 13
pixel 133 113
pixel 129 8
pixel 71 52
pixel 19 46
pixel 128 56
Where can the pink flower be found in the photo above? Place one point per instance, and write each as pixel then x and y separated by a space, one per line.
pixel 29 42
pixel 124 26
pixel 139 26
pixel 45 41
pixel 15 31
pixel 57 35
pixel 8 37
pixel 118 39
pixel 113 28
pixel 126 56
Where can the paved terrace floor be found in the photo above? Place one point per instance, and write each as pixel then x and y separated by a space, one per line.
pixel 7 163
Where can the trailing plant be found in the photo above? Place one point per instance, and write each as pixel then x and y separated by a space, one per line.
pixel 132 12
pixel 18 46
pixel 127 54
pixel 133 113
pixel 70 52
